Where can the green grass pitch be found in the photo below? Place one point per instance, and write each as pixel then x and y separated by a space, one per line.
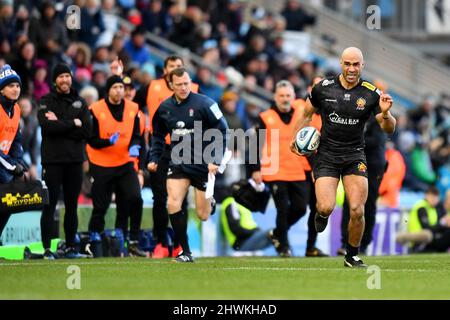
pixel 401 277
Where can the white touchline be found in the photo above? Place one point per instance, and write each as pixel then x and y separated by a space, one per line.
pixel 222 268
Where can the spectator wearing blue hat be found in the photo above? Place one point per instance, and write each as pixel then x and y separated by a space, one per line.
pixel 11 151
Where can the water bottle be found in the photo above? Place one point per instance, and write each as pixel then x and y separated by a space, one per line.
pixel 77 242
pixel 119 235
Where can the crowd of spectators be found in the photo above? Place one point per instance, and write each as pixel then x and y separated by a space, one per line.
pixel 35 36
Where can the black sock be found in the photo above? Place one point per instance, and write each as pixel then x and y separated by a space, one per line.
pixel 351 251
pixel 179 225
pixel 176 241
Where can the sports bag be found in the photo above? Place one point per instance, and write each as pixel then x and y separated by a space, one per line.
pixel 22 195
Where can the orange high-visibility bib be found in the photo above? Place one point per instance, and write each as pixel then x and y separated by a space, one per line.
pixel 290 166
pixel 117 154
pixel 8 128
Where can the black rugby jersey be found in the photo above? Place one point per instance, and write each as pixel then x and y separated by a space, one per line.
pixel 344 114
pixel 187 122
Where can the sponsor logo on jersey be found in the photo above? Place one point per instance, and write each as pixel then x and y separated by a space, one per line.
pixel 191 112
pixel 331 100
pixel 347 97
pixel 181 130
pixel 360 104
pixel 368 85
pixel 327 82
pixel 362 167
pixel 335 118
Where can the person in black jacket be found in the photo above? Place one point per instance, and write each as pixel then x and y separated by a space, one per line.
pixel 66 124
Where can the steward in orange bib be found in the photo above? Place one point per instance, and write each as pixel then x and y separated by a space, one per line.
pixel 283 171
pixel 115 138
pixel 150 97
pixel 11 151
pixel 121 205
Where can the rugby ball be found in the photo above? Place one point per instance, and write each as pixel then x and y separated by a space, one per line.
pixel 307 140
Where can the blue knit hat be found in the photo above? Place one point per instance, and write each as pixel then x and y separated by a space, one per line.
pixel 7 76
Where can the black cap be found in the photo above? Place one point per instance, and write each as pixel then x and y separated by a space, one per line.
pixel 111 81
pixel 59 69
pixel 127 81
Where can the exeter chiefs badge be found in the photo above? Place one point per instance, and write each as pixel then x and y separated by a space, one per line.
pixel 360 104
pixel 362 167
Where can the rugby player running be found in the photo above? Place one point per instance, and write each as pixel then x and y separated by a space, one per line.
pixel 344 103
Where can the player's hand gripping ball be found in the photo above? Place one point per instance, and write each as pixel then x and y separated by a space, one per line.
pixel 307 141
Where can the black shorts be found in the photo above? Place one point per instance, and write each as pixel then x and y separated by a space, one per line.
pixel 197 181
pixel 328 165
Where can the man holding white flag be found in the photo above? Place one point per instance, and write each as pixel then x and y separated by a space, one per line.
pixel 198 140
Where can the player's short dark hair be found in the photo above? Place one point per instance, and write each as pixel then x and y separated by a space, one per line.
pixel 432 190
pixel 172 58
pixel 177 72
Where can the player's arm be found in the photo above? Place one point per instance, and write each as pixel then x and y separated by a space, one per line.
pixel 303 121
pixel 385 119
